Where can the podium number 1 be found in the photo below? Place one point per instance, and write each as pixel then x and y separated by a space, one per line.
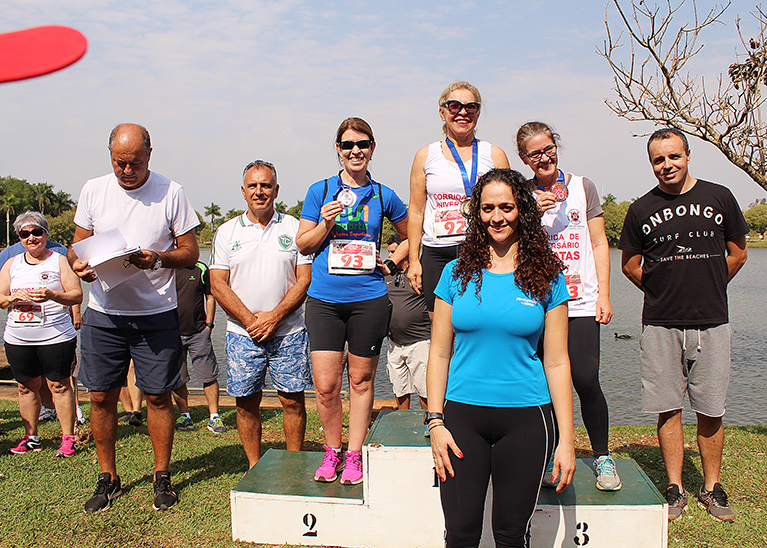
pixel 310 520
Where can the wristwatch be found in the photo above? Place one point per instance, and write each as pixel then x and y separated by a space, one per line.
pixel 210 326
pixel 391 265
pixel 428 417
pixel 157 265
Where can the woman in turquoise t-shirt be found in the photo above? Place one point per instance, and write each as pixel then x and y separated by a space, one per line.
pixel 491 400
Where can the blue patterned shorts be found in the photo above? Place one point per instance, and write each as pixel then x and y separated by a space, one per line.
pixel 286 358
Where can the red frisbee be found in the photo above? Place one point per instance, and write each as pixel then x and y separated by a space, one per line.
pixel 40 50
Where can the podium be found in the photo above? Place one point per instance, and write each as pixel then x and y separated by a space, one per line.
pixel 397 504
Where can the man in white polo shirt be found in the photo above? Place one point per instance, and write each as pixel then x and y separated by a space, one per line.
pixel 260 280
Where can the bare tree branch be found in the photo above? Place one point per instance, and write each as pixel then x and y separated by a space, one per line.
pixel 652 85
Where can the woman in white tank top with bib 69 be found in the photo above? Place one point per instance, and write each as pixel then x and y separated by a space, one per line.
pixel 38 288
pixel 441 180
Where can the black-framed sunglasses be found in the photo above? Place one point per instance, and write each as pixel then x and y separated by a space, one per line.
pixel 361 144
pixel 549 151
pixel 454 107
pixel 36 232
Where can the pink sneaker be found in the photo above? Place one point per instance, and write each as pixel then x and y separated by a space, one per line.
pixel 67 447
pixel 26 445
pixel 332 464
pixel 352 474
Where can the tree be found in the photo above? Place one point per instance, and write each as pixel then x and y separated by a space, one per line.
pixel 8 203
pixel 43 194
pixel 655 88
pixel 614 214
pixel 756 218
pixel 295 211
pixel 61 229
pixel 213 210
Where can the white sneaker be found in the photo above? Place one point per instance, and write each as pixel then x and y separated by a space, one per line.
pixel 80 415
pixel 46 414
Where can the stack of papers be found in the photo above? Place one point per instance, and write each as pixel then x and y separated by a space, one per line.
pixel 107 253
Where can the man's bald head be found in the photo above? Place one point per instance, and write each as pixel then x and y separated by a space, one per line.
pixel 129 150
pixel 131 131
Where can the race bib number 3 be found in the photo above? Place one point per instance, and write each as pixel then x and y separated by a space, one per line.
pixel 574 286
pixel 27 314
pixel 351 257
pixel 449 223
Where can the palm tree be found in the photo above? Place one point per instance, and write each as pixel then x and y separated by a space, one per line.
pixel 214 211
pixel 8 203
pixel 43 193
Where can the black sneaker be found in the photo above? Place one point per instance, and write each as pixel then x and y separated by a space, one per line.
pixel 136 419
pixel 164 495
pixel 715 503
pixel 106 491
pixel 677 502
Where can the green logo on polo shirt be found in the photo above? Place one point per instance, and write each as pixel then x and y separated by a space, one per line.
pixel 236 246
pixel 285 241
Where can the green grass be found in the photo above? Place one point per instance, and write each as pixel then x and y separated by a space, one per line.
pixel 41 497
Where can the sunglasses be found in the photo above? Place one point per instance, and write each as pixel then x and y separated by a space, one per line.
pixel 348 145
pixel 454 107
pixel 36 232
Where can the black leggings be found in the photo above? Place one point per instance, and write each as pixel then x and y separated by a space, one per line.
pixel 433 261
pixel 583 347
pixel 510 444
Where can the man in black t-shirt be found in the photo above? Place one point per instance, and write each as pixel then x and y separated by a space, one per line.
pixel 682 243
pixel 409 335
pixel 196 312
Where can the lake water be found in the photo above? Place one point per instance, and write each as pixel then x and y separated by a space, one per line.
pixel 620 358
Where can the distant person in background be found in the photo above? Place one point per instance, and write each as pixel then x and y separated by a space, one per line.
pixel 196 313
pixel 682 243
pixel 341 224
pixel 441 180
pixel 38 287
pixel 260 279
pixel 409 333
pixel 575 225
pixel 131 397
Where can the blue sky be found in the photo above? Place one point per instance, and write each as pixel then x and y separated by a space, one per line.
pixel 221 83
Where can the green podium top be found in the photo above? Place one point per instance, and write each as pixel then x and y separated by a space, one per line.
pixel 291 473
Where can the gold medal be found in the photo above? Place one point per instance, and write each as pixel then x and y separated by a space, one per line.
pixel 465 210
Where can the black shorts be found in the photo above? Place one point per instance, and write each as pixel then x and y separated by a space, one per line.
pixel 433 261
pixel 32 361
pixel 109 342
pixel 363 324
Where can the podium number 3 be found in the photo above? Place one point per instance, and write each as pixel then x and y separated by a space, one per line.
pixel 310 520
pixel 581 538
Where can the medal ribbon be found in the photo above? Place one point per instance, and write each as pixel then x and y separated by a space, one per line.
pixel 560 179
pixel 468 184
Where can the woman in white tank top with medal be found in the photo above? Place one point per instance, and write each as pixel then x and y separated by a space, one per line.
pixel 441 180
pixel 38 287
pixel 573 220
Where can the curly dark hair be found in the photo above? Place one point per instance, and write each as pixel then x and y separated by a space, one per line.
pixel 537 265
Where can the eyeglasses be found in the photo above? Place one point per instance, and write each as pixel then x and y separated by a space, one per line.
pixel 348 145
pixel 36 232
pixel 454 107
pixel 537 156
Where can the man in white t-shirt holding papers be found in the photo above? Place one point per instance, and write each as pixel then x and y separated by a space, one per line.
pixel 260 280
pixel 136 319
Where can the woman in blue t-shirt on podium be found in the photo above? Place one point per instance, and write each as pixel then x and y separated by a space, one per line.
pixel 491 400
pixel 347 302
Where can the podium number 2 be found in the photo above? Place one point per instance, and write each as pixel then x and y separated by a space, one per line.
pixel 310 520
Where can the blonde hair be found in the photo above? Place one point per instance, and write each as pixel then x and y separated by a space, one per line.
pixel 458 84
